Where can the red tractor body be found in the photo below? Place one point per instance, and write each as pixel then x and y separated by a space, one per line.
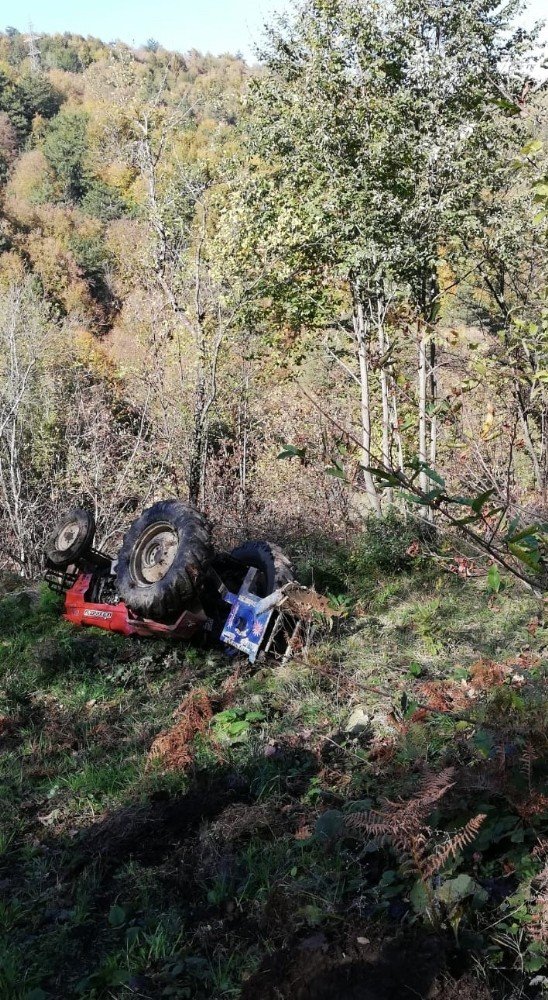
pixel 119 618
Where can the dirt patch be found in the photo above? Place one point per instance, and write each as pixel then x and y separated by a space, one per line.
pixel 9 730
pixel 240 821
pixel 148 832
pixel 466 988
pixel 355 968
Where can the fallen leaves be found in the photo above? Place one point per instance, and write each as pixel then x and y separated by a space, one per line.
pixel 173 747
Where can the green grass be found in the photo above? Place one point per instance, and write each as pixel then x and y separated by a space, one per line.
pixel 120 877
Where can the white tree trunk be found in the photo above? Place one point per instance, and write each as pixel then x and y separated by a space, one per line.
pixel 423 456
pixel 385 398
pixel 362 339
pixel 433 417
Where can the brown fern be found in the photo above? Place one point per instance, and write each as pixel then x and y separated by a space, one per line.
pixel 173 747
pixel 538 926
pixel 455 844
pixel 540 850
pixel 403 825
pixel 527 758
pixel 534 804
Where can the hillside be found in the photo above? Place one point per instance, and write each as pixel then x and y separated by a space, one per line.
pixel 309 299
pixel 177 824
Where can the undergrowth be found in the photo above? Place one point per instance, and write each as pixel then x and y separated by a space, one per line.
pixel 172 817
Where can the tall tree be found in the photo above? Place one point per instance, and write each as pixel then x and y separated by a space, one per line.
pixel 380 124
pixel 65 149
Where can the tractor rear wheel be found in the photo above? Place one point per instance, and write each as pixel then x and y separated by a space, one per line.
pixel 71 539
pixel 162 558
pixel 274 567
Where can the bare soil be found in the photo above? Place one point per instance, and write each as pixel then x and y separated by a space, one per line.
pixel 352 968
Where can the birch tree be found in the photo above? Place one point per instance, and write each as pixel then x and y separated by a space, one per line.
pixel 380 124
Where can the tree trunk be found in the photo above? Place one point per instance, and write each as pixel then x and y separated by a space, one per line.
pixel 362 341
pixel 433 417
pixel 427 417
pixel 197 463
pixel 396 422
pixel 243 430
pixel 198 444
pixel 537 473
pixel 382 340
pixel 423 456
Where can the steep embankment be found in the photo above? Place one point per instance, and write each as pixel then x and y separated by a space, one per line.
pixel 175 823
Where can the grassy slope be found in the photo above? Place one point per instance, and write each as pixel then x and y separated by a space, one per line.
pixel 120 875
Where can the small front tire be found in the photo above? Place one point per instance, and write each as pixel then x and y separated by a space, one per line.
pixel 71 539
pixel 274 567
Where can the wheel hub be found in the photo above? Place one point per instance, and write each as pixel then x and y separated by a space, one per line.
pixel 154 554
pixel 67 536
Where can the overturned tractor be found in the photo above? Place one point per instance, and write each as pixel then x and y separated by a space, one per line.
pixel 167 581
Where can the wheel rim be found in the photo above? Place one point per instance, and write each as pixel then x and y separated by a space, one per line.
pixel 67 536
pixel 154 554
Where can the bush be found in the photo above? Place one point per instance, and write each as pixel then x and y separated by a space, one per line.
pixel 384 546
pixel 322 564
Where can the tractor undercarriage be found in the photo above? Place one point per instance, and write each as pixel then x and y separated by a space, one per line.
pixel 245 600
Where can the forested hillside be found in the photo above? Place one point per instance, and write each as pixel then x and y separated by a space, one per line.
pixel 112 164
pixel 202 263
pixel 309 296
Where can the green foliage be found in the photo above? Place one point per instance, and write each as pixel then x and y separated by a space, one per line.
pixel 39 95
pixel 102 202
pixel 92 258
pixel 527 545
pixel 31 95
pixel 360 140
pixel 326 570
pixel 12 101
pixel 234 724
pixel 66 52
pixel 65 149
pixel 384 545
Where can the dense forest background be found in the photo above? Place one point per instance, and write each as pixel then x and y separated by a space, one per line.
pixel 337 256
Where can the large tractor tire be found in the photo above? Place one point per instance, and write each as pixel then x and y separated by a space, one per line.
pixel 162 558
pixel 274 567
pixel 71 539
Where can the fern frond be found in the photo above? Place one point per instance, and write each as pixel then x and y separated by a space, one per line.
pixel 453 845
pixel 538 927
pixel 376 827
pixel 540 850
pixel 435 786
pixel 403 825
pixel 527 758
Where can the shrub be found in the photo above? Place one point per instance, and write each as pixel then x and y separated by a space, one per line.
pixel 385 544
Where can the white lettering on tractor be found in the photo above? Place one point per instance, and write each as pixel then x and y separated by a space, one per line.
pixel 89 613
